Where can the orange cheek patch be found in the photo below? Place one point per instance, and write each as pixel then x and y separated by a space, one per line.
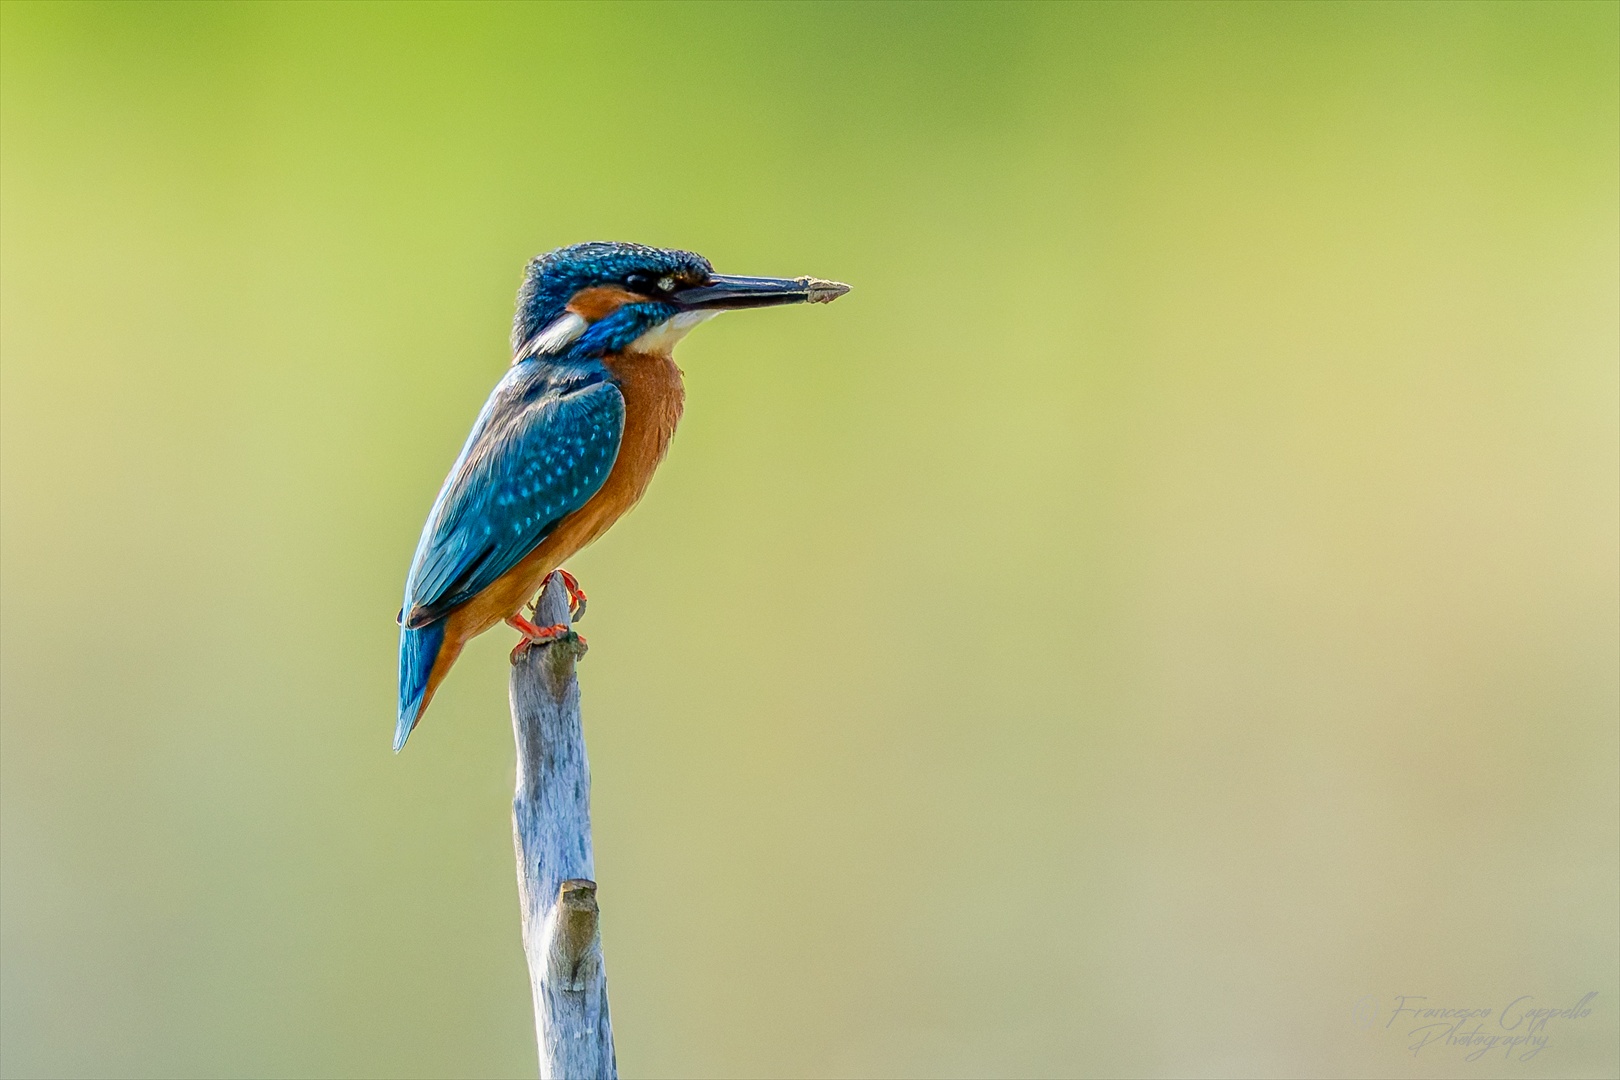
pixel 600 302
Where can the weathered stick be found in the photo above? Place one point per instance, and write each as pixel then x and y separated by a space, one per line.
pixel 551 830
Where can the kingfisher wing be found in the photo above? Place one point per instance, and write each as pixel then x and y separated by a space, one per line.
pixel 543 445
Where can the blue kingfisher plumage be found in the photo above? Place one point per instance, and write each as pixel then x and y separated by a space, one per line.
pixel 567 442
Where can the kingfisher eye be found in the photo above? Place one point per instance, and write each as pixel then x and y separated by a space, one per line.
pixel 646 286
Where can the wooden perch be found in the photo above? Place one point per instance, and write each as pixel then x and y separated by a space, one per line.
pixel 551 830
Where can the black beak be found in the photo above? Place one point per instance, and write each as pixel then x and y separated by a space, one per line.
pixel 724 292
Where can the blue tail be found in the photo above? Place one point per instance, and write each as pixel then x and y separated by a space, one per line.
pixel 418 649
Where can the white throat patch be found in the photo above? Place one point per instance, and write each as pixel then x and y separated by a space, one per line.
pixel 663 337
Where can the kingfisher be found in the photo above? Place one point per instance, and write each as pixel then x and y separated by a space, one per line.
pixel 566 444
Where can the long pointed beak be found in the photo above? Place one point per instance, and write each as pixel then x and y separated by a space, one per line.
pixel 723 292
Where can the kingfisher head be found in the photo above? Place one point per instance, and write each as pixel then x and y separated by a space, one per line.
pixel 599 298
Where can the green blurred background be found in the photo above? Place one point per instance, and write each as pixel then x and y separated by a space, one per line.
pixel 1172 600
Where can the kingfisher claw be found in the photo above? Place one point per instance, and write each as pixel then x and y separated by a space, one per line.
pixel 576 597
pixel 536 635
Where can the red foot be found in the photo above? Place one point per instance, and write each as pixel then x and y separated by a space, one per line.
pixel 535 635
pixel 576 596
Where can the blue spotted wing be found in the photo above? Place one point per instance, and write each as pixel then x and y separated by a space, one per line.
pixel 544 444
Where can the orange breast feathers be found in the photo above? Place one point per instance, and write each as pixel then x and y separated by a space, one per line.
pixel 653 399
